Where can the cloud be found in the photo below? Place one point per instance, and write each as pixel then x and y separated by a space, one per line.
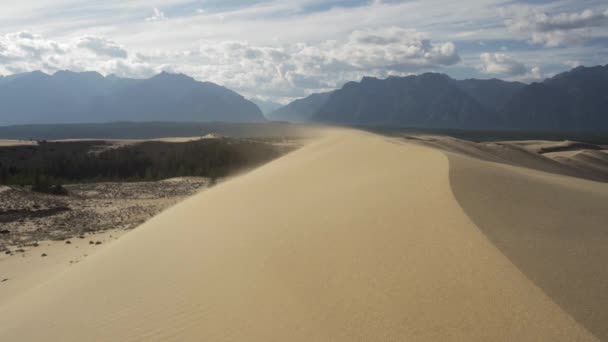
pixel 501 64
pixel 292 70
pixel 570 21
pixel 25 51
pixel 554 30
pixel 102 47
pixel 534 75
pixel 395 48
pixel 19 49
pixel 573 63
pixel 157 16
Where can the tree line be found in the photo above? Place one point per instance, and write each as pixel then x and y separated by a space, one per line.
pixel 54 163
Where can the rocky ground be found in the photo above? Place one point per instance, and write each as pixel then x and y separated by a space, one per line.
pixel 27 217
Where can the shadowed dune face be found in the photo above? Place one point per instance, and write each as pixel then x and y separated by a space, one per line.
pixel 553 228
pixel 351 238
pixel 593 161
pixel 565 158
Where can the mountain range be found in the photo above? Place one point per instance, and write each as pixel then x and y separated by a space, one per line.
pixel 574 100
pixel 71 97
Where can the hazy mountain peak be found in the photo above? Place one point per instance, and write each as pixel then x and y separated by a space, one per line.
pixel 434 75
pixel 366 79
pixel 165 75
pixel 32 74
pixel 76 73
pixel 77 76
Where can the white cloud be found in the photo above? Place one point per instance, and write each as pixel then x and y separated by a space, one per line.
pixel 292 70
pixel 501 64
pixel 573 63
pixel 534 75
pixel 24 51
pixel 102 47
pixel 508 67
pixel 395 48
pixel 157 16
pixel 19 49
pixel 554 30
pixel 569 21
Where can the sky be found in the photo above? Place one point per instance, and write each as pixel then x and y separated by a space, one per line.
pixel 279 50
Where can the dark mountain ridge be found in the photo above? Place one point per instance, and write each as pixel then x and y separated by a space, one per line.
pixel 574 100
pixel 74 97
pixel 427 100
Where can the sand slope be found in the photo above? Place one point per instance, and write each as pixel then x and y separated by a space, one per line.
pixel 566 158
pixel 351 238
pixel 9 142
pixel 554 228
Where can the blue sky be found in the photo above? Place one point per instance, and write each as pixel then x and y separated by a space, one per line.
pixel 279 50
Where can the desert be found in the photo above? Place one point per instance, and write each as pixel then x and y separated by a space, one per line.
pixel 411 253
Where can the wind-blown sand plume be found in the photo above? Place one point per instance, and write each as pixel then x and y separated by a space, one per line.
pixel 351 238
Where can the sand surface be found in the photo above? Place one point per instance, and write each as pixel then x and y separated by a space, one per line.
pixel 8 142
pixel 354 237
pixel 553 228
pixel 567 158
pixel 25 270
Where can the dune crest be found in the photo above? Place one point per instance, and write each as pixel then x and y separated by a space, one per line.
pixel 352 237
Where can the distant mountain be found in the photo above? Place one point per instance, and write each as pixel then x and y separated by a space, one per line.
pixel 492 94
pixel 175 97
pixel 266 106
pixel 428 100
pixel 300 110
pixel 70 97
pixel 574 100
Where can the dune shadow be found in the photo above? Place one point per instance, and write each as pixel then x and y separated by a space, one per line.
pixel 552 228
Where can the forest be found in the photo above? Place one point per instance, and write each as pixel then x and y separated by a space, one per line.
pixel 48 165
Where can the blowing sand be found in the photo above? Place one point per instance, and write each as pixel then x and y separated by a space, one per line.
pixel 353 237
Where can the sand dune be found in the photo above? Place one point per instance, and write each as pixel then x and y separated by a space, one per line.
pixel 590 161
pixel 551 227
pixel 567 158
pixel 354 237
pixel 8 142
